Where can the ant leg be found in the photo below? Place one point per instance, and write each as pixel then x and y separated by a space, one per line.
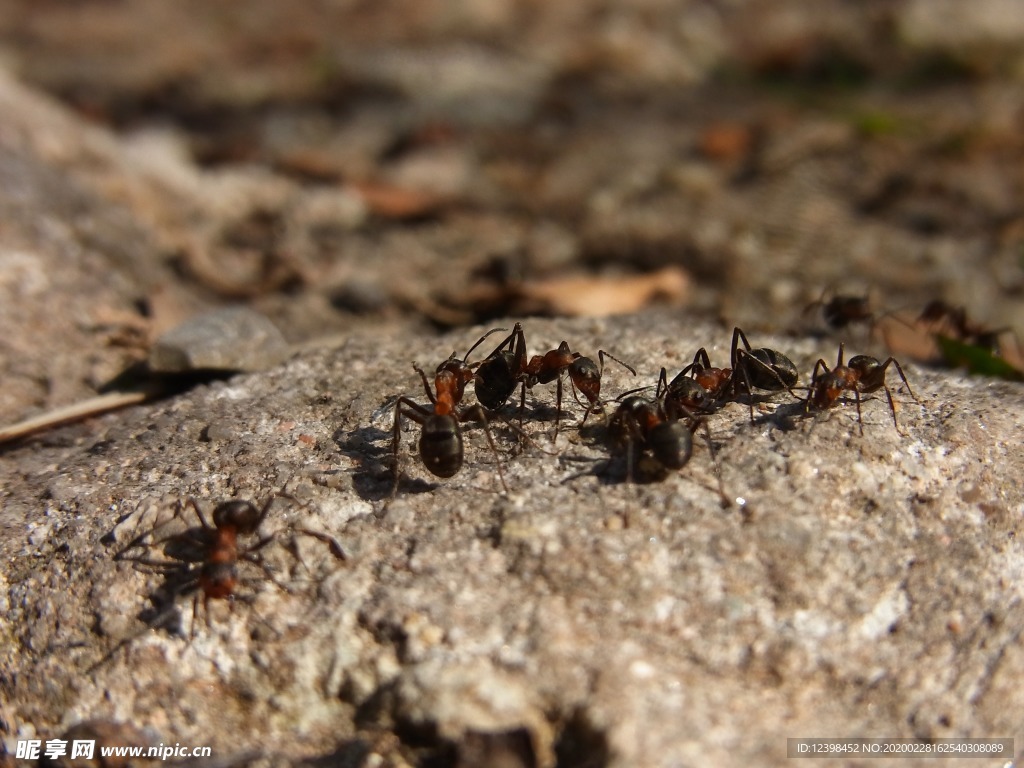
pixel 899 370
pixel 820 369
pixel 191 501
pixel 892 410
pixel 477 413
pixel 860 420
pixel 662 388
pixel 737 335
pixel 410 409
pixel 558 407
pixel 723 499
pixel 426 384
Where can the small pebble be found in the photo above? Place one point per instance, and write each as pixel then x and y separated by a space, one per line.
pixel 233 339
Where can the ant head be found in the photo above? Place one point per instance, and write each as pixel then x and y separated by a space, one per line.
pixel 865 366
pixel 586 377
pixel 238 514
pixel 685 392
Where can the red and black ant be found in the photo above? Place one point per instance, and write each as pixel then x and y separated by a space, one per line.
pixel 698 387
pixel 862 375
pixel 643 424
pixel 760 368
pixel 508 367
pixel 440 444
pixel 202 561
pixel 205 560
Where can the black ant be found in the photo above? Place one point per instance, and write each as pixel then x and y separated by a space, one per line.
pixel 440 444
pixel 508 367
pixel 862 375
pixel 760 368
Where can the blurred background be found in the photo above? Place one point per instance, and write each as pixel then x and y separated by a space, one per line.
pixel 414 164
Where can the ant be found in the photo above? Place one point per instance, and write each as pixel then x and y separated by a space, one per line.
pixel 862 375
pixel 943 318
pixel 760 368
pixel 440 444
pixel 641 423
pixel 202 561
pixel 843 310
pixel 213 547
pixel 699 391
pixel 507 367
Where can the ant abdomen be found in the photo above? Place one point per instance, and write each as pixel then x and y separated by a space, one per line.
pixel 671 443
pixel 441 445
pixel 775 371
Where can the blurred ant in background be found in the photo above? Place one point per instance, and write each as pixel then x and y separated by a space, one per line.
pixel 861 375
pixel 946 320
pixel 840 312
pixel 204 560
pixel 507 367
pixel 440 443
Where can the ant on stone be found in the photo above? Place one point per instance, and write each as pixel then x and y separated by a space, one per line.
pixel 862 375
pixel 657 425
pixel 701 390
pixel 508 367
pixel 440 444
pixel 202 561
pixel 760 368
pixel 205 560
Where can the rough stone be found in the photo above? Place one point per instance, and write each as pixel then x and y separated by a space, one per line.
pixel 231 339
pixel 856 584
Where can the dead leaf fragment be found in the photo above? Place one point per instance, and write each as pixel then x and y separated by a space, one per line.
pixel 587 296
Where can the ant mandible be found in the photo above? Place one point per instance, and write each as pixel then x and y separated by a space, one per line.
pixel 507 367
pixel 760 368
pixel 862 375
pixel 440 443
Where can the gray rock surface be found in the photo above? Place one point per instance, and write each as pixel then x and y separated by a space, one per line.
pixel 864 585
pixel 230 339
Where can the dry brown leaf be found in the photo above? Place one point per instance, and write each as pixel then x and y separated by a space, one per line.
pixel 588 296
pixel 393 202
